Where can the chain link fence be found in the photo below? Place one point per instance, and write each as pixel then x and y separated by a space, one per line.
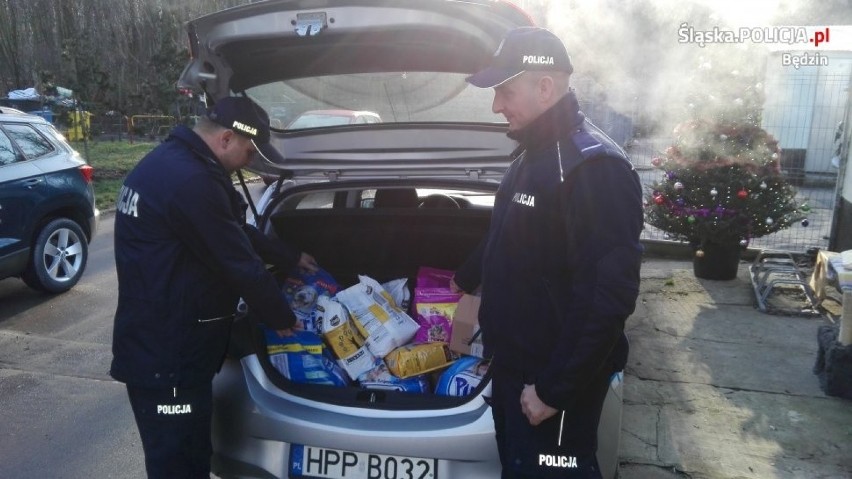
pixel 805 110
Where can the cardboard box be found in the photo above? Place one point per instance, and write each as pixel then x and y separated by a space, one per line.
pixel 464 338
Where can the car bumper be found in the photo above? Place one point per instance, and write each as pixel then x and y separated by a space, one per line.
pixel 93 223
pixel 254 424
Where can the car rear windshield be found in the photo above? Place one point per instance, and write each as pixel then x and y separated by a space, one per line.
pixel 367 98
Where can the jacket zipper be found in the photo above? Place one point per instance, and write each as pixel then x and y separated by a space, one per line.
pixel 558 312
pixel 220 318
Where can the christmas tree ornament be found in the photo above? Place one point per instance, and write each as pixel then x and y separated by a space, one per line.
pixel 805 222
pixel 714 192
pixel 742 194
pixel 805 207
pixel 699 253
pixel 678 185
pixel 656 162
pixel 763 185
pixel 671 175
pixel 680 201
pixel 769 220
pixel 659 199
pixel 690 219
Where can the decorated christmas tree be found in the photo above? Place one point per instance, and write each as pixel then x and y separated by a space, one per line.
pixel 721 184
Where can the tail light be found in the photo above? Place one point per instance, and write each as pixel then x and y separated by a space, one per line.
pixel 87 171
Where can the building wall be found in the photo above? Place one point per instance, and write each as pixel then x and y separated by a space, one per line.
pixel 803 108
pixel 841 237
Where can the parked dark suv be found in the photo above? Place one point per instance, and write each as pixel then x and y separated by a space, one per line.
pixel 47 204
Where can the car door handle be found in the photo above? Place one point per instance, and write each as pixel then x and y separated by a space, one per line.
pixel 31 183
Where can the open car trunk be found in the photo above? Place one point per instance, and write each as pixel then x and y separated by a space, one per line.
pixel 385 244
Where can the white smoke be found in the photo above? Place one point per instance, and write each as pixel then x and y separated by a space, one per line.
pixel 627 51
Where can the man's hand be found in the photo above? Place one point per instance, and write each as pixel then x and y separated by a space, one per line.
pixel 454 287
pixel 307 263
pixel 533 408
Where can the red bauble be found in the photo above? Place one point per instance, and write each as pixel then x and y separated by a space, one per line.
pixel 742 194
pixel 659 199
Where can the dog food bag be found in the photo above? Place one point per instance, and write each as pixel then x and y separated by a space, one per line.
pixel 463 377
pixel 302 358
pixel 345 341
pixel 414 359
pixel 434 308
pixel 380 377
pixel 383 325
pixel 302 291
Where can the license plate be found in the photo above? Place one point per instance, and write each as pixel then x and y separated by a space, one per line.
pixel 320 462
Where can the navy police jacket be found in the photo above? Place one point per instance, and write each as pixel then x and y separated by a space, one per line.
pixel 559 267
pixel 184 256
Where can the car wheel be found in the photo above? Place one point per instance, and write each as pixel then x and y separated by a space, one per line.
pixel 58 257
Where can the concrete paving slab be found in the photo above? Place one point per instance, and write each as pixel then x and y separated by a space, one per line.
pixel 714 388
pixel 728 352
pixel 715 432
pixel 642 471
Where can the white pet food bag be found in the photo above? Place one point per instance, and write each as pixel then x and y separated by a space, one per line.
pixel 384 326
pixel 345 341
pixel 398 290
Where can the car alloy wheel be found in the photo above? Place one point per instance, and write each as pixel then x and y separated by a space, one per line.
pixel 58 257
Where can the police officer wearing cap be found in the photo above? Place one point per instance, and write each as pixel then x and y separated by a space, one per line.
pixel 184 256
pixel 559 267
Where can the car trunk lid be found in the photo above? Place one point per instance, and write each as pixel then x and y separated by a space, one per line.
pixel 246 48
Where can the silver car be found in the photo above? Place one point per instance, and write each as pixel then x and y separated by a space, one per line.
pixel 378 199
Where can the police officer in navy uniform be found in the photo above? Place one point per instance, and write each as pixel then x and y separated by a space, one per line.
pixel 184 257
pixel 559 267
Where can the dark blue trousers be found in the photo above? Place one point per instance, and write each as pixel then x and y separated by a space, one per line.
pixel 174 425
pixel 561 447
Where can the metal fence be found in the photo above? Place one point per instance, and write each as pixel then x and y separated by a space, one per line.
pixel 820 199
pixel 804 110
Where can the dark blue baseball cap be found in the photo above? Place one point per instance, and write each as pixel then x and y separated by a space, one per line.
pixel 245 117
pixel 523 49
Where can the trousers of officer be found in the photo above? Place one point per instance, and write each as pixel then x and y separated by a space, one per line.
pixel 561 447
pixel 174 425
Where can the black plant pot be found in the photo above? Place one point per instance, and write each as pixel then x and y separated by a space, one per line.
pixel 719 262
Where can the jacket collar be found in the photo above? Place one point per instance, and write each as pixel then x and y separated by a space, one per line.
pixel 551 125
pixel 187 136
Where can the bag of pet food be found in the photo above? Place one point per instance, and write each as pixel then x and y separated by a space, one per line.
pixel 302 291
pixel 380 377
pixel 398 290
pixel 383 325
pixel 434 309
pixel 414 359
pixel 428 277
pixel 345 341
pixel 302 358
pixel 463 377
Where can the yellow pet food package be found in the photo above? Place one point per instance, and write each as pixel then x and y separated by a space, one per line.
pixel 345 342
pixel 413 359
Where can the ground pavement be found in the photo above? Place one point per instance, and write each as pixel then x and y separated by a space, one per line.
pixel 716 389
